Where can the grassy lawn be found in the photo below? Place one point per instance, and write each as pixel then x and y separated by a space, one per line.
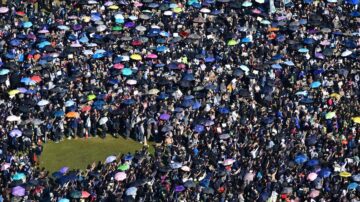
pixel 77 154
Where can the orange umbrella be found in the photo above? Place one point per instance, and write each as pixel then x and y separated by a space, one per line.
pixel 36 78
pixel 273 29
pixel 37 57
pixel 72 115
pixel 272 36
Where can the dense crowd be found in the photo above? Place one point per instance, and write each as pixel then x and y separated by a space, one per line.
pixel 245 100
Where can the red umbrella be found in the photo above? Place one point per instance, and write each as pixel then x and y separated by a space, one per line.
pixel 136 43
pixel 86 108
pixel 36 78
pixel 85 194
pixel 20 13
pixel 118 66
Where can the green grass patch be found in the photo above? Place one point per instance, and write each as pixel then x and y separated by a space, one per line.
pixel 79 153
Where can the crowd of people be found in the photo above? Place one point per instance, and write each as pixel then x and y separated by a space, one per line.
pixel 245 100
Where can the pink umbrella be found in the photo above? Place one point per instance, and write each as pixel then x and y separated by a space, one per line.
pixel 118 66
pixel 314 193
pixel 18 191
pixel 5 166
pixel 325 42
pixel 228 162
pixel 85 194
pixel 151 56
pixel 312 176
pixel 4 9
pixel 120 176
pixel 249 176
pixel 43 31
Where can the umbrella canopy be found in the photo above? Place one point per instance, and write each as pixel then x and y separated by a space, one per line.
pixel 120 176
pixel 124 167
pixel 72 115
pixel 312 176
pixel 131 191
pixel 18 191
pixel 315 84
pixel 345 174
pixel 330 115
pixel 110 159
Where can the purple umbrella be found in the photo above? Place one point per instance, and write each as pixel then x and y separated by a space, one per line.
pixel 165 117
pixel 15 133
pixel 179 188
pixel 129 24
pixel 18 191
pixel 63 170
pixel 319 55
pixel 77 27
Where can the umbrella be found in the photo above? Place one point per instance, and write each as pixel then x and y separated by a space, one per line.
pixel 315 84
pixel 330 115
pixel 165 117
pixel 346 53
pixel 4 9
pixel 64 200
pixel 189 184
pixel 153 91
pixel 75 194
pixel 69 103
pixel 246 4
pixel 312 162
pixel 18 191
pixel 13 118
pixel 199 128
pixel 15 133
pixel 314 193
pixel 131 82
pixel 345 174
pixel 223 110
pixel 103 120
pixel 126 71
pixel 208 190
pixel 91 97
pixel 124 167
pixel 232 42
pixel 27 24
pixel 13 92
pixel 18 176
pixel 110 159
pixel 312 176
pixel 43 102
pixel 356 119
pixel 356 178
pixel 228 162
pixel 179 188
pixel 325 172
pixel 4 72
pixel 5 166
pixel 131 191
pixel 120 176
pixel 63 170
pixel 72 115
pixel 136 57
pixel 352 186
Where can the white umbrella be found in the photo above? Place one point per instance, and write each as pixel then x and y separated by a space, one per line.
pixel 140 28
pixel 168 13
pixel 346 53
pixel 131 191
pixel 103 120
pixel 131 82
pixel 4 9
pixel 88 52
pixel 205 10
pixel 244 68
pixel 13 118
pixel 43 102
pixel 153 91
pixel 101 28
pixel 110 159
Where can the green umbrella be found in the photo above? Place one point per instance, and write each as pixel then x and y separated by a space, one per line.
pixel 75 194
pixel 91 97
pixel 117 28
pixel 232 42
pixel 124 167
pixel 330 115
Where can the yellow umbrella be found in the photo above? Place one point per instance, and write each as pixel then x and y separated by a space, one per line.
pixel 86 18
pixel 14 92
pixel 232 42
pixel 345 174
pixel 356 119
pixel 113 7
pixel 177 10
pixel 91 97
pixel 136 57
pixel 330 115
pixel 335 95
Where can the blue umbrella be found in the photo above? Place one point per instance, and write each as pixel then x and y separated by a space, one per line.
pixel 4 72
pixel 276 66
pixel 67 178
pixel 43 44
pixel 187 103
pixel 308 1
pixel 196 105
pixel 325 172
pixel 99 103
pixel 189 77
pixel 277 57
pixel 97 56
pixel 224 110
pixel 199 128
pixel 164 117
pixel 301 158
pixel 25 80
pixel 315 84
pixel 246 40
pixel 10 55
pixel 15 42
pixel 353 2
pixel 163 96
pixel 69 103
pixel 309 41
pixel 27 24
pixel 126 71
pixel 18 176
pixel 355 14
pixel 209 59
pixel 312 162
pixel 59 113
pixel 352 186
pixel 303 50
pixel 57 174
pixel 161 48
pixel 189 97
pixel 129 102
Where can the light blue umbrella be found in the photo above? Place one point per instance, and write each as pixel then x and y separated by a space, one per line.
pixel 18 176
pixel 43 44
pixel 63 27
pixel 69 103
pixel 289 63
pixel 315 84
pixel 301 158
pixel 4 72
pixel 276 66
pixel 352 186
pixel 303 50
pixel 126 71
pixel 27 24
pixel 304 93
pixel 64 200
